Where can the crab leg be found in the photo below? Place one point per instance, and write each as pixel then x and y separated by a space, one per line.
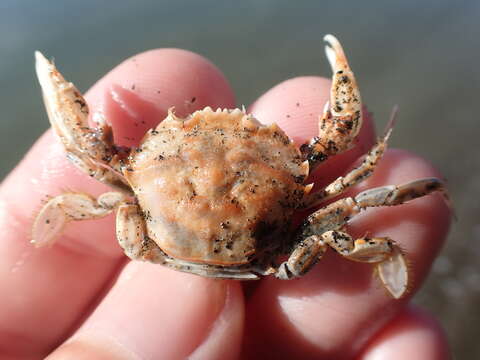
pixel 335 215
pixel 354 177
pixel 322 227
pixel 390 263
pixel 305 254
pixel 396 195
pixel 133 238
pixel 342 117
pixel 90 149
pixel 61 209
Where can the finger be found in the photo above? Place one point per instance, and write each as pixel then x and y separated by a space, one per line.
pixel 156 313
pixel 413 335
pixel 46 292
pixel 332 311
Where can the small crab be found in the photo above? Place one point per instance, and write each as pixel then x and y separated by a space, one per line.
pixel 214 193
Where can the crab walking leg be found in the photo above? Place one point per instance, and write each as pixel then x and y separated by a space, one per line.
pixel 342 117
pixel 90 149
pixel 395 195
pixel 354 177
pixel 335 215
pixel 303 257
pixel 321 228
pixel 132 235
pixel 310 246
pixel 61 209
pixel 390 262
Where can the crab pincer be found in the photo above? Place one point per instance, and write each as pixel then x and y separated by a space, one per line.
pixel 341 120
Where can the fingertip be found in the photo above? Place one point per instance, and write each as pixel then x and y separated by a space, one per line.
pixel 296 105
pixel 167 76
pixel 136 94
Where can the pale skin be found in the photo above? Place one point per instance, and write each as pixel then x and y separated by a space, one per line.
pixel 184 314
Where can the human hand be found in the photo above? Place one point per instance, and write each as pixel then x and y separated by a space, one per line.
pixel 83 289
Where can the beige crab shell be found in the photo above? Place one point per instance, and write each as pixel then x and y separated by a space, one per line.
pixel 214 186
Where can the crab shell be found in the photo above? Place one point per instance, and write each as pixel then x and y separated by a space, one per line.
pixel 218 186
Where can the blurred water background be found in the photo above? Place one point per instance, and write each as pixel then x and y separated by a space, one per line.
pixel 423 56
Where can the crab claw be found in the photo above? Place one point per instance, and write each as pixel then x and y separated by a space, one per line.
pixel 393 273
pixel 341 120
pixel 334 51
pixel 66 107
pixel 90 149
pixel 344 96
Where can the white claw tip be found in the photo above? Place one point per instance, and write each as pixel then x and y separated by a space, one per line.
pixel 43 67
pixel 334 51
pixel 332 44
pixel 41 62
pixel 39 56
pixel 329 38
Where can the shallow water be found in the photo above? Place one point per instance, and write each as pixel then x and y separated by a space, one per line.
pixel 423 58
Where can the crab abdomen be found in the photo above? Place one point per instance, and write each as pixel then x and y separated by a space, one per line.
pixel 214 186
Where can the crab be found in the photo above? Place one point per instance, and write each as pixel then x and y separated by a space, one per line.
pixel 214 193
